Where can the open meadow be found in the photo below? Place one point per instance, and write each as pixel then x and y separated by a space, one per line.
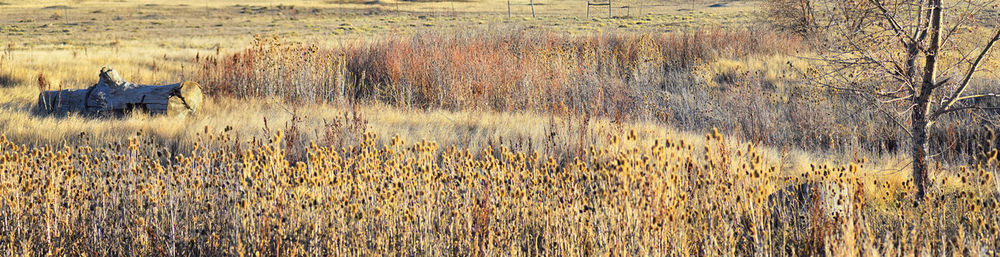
pixel 501 128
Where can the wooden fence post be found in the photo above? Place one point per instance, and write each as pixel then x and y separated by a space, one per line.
pixel 508 9
pixel 532 3
pixel 640 9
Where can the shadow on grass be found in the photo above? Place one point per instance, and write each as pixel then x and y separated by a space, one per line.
pixel 6 80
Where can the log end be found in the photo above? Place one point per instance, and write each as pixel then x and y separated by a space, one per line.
pixel 110 77
pixel 188 101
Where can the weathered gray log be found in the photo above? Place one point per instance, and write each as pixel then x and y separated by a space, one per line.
pixel 61 101
pixel 114 95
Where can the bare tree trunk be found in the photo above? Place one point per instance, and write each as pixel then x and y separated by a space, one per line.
pixel 919 145
pixel 921 105
pixel 807 15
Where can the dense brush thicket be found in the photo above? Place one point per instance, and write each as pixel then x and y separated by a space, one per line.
pixel 655 77
pixel 500 70
pixel 621 76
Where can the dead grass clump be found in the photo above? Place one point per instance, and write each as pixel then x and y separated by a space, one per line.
pixel 6 80
pixel 43 83
pixel 272 67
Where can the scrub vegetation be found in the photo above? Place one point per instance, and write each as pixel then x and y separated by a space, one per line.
pixel 447 128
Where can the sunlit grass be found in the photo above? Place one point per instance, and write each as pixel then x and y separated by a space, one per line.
pixel 417 128
pixel 676 196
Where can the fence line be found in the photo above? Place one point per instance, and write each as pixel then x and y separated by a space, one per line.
pixel 628 8
pixel 608 4
pixel 530 3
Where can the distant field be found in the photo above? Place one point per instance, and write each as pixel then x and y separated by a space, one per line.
pixel 229 23
pixel 157 43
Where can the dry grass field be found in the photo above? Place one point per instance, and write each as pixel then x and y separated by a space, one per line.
pixel 447 128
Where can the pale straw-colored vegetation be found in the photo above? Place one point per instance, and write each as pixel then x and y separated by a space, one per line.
pixel 350 129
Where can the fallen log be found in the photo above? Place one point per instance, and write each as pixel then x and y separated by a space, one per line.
pixel 114 95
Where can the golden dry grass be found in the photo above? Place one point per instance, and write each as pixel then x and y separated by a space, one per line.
pixel 673 197
pixel 262 175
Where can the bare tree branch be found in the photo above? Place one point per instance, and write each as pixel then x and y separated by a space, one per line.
pixel 892 21
pixel 968 77
pixel 903 98
pixel 976 107
pixel 973 97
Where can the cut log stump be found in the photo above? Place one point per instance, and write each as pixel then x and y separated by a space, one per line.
pixel 113 95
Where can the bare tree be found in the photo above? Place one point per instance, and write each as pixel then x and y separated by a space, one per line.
pixel 791 15
pixel 893 51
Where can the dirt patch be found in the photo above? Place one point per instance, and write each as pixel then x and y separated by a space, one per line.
pixel 57 7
